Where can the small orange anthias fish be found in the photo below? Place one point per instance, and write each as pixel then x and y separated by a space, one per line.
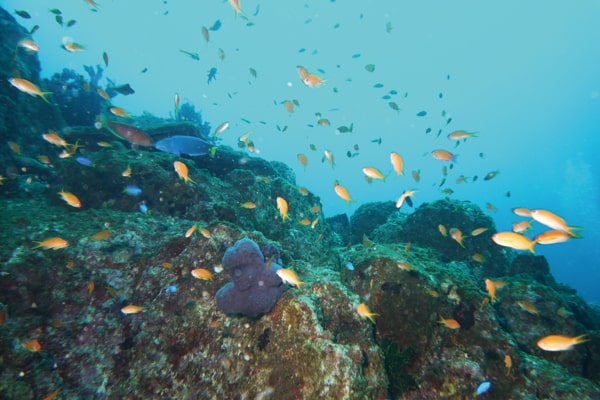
pixel 513 240
pixel 342 192
pixel 449 323
pixel 553 221
pixel 553 236
pixel 202 274
pixel 560 342
pixel 364 312
pixel 289 276
pixel 402 198
pixel 444 155
pixel 490 286
pixel 248 204
pixel 131 309
pixel 182 171
pixel 28 87
pixel 54 243
pixel 70 199
pixel 459 135
pixel 373 173
pixel 282 206
pixel 190 231
pixel 457 235
pixel 508 364
pixel 32 345
pixel 55 139
pixel 397 163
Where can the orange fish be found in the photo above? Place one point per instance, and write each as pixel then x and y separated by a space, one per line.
pixel 560 342
pixel 182 171
pixel 405 266
pixel 490 286
pixel 54 243
pixel 315 209
pixel 342 192
pixel 329 157
pixel 313 81
pixel 449 323
pixel 303 160
pixel 491 207
pixel 91 287
pixel 480 258
pixel 522 212
pixel 131 309
pixel 364 312
pixel 397 163
pixel 248 205
pixel 205 232
pixel 167 264
pixel 44 159
pixel 416 175
pixel 551 237
pixel 282 206
pixel 70 199
pixel 32 345
pixel 127 172
pixel 190 231
pixel 522 226
pixel 30 88
pixel 459 135
pixel 478 231
pixel 15 148
pixel 304 221
pixel 303 72
pixel 443 230
pixel 52 137
pixel 314 223
pixel 236 6
pixel 203 274
pixel 513 240
pixel 28 44
pixel 303 191
pixel 508 364
pixel 73 47
pixel 119 112
pixel 289 276
pixel 221 128
pixel 373 173
pixel 444 155
pixel 102 93
pixel 101 235
pixel 402 198
pixel 553 221
pixel 527 306
pixel 289 106
pixel 457 235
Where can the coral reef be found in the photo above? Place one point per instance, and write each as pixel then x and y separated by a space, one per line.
pixel 255 287
pixel 141 231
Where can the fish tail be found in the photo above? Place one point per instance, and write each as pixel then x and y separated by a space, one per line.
pixel 43 96
pixel 574 235
pixel 581 339
pixel 530 247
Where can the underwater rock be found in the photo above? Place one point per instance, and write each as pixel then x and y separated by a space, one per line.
pixel 340 225
pixel 368 217
pixel 255 288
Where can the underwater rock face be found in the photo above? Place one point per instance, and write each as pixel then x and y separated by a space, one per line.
pixel 368 217
pixel 255 288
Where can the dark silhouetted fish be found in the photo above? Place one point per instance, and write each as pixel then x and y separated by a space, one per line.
pixel 130 133
pixel 189 145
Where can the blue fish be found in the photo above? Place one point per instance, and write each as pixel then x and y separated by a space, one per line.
pixel 85 161
pixel 144 208
pixel 483 387
pixel 133 190
pixel 171 289
pixel 212 75
pixel 350 266
pixel 215 26
pixel 190 145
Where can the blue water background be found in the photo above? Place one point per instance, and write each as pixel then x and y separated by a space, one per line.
pixel 525 75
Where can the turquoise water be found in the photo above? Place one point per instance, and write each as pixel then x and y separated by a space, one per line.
pixel 524 75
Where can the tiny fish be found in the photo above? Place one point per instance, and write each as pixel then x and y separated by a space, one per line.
pixel 131 309
pixel 85 161
pixel 363 311
pixel 132 190
pixel 483 387
pixel 350 266
pixel 171 289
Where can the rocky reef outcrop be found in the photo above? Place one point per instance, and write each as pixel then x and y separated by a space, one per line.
pixel 112 310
